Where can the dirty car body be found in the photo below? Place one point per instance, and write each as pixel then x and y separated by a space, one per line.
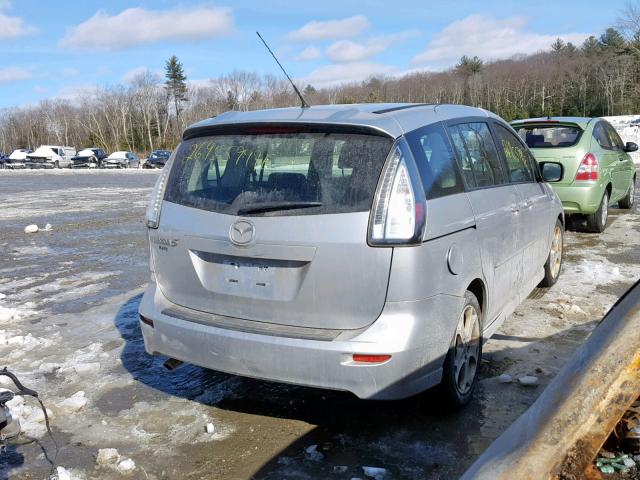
pixel 338 246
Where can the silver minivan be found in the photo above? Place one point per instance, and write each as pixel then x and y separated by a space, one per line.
pixel 365 248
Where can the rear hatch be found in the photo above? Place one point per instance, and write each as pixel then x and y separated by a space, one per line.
pixel 555 141
pixel 270 225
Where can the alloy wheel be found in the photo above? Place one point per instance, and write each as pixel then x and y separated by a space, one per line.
pixel 467 349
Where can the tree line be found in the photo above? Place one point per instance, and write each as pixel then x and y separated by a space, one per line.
pixel 600 77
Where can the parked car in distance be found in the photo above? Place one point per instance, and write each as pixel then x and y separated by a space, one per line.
pixel 598 170
pixel 121 160
pixel 50 156
pixel 89 158
pixel 366 248
pixel 157 159
pixel 17 158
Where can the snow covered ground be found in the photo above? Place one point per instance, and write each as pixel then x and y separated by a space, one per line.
pixel 628 127
pixel 69 329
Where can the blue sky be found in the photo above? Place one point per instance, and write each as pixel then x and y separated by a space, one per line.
pixel 55 49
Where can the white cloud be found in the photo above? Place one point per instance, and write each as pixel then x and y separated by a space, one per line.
pixel 344 51
pixel 14 74
pixel 309 53
pixel 40 89
pixel 133 74
pixel 330 29
pixel 339 73
pixel 136 26
pixel 487 37
pixel 12 27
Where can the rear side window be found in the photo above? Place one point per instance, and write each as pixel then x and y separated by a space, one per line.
pixel 614 138
pixel 479 161
pixel 549 136
pixel 436 162
pixel 516 156
pixel 600 135
pixel 303 173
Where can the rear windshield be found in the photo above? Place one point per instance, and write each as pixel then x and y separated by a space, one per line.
pixel 278 173
pixel 549 136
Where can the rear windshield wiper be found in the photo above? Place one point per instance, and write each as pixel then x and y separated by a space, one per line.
pixel 275 206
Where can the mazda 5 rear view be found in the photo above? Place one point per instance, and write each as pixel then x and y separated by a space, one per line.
pixel 363 248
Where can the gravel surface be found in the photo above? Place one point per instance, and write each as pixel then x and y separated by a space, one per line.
pixel 68 324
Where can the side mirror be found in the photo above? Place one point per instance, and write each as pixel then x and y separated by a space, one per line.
pixel 630 147
pixel 551 171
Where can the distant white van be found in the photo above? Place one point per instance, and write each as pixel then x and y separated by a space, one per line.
pixel 51 156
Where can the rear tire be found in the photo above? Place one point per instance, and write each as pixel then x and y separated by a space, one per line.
pixel 597 222
pixel 462 364
pixel 627 201
pixel 553 265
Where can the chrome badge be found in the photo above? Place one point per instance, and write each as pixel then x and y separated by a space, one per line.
pixel 242 232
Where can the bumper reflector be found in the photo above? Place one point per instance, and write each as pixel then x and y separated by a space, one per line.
pixel 361 358
pixel 146 320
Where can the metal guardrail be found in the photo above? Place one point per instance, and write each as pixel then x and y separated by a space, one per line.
pixel 562 432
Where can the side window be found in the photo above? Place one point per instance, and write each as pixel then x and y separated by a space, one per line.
pixel 481 166
pixel 601 136
pixel 436 162
pixel 516 156
pixel 614 138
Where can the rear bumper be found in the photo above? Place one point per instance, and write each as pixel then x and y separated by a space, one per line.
pixel 416 334
pixel 581 198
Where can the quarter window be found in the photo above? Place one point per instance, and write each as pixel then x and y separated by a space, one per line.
pixel 479 161
pixel 600 134
pixel 614 138
pixel 516 155
pixel 435 160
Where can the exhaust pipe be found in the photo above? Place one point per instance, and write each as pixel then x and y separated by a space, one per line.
pixel 171 364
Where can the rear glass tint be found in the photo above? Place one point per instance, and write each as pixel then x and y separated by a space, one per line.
pixel 549 136
pixel 278 173
pixel 435 160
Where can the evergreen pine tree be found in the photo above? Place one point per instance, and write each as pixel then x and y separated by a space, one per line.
pixel 176 85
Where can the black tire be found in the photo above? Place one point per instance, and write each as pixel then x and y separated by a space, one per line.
pixel 627 201
pixel 597 222
pixel 553 265
pixel 452 394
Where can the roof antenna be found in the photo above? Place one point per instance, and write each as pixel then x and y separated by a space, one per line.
pixel 302 100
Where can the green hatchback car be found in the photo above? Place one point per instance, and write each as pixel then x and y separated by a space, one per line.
pixel 598 170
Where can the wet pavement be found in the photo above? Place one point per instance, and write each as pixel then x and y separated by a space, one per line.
pixel 68 323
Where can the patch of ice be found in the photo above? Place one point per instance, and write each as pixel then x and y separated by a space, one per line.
pixel 64 474
pixel 312 453
pixel 505 378
pixel 31 417
pixel 126 465
pixel 74 403
pixel 31 229
pixel 87 368
pixel 377 473
pixel 107 456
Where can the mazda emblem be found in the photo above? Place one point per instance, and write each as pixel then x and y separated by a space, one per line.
pixel 242 232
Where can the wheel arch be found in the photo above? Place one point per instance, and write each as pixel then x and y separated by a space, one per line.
pixel 479 289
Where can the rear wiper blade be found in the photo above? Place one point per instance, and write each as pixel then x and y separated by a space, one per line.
pixel 275 206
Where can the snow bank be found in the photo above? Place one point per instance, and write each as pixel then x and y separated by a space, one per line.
pixel 628 127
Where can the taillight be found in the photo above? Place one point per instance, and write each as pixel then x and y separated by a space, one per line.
pixel 398 214
pixel 589 168
pixel 157 194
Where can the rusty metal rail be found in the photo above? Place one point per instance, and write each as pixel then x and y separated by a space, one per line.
pixel 562 432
